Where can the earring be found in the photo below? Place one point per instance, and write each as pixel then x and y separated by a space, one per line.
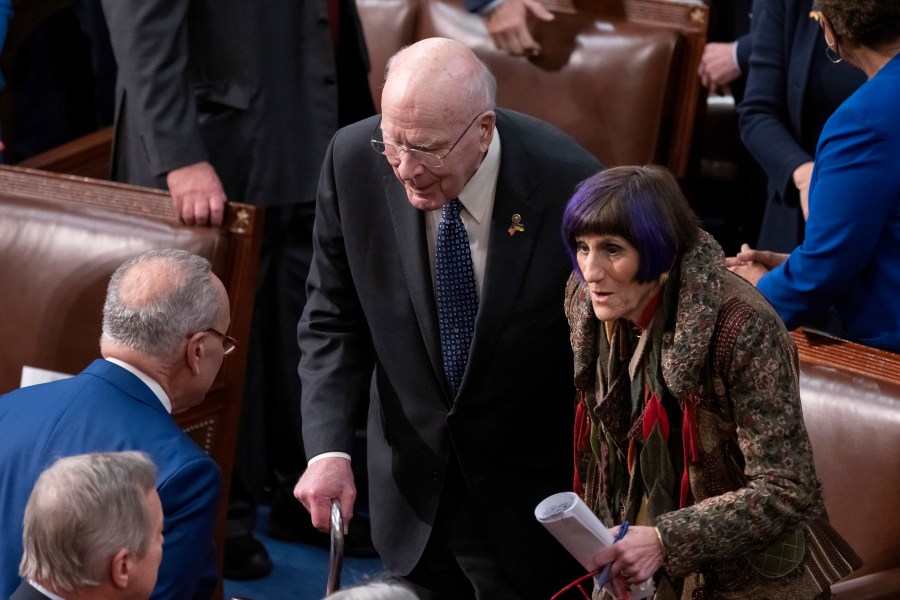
pixel 832 52
pixel 663 279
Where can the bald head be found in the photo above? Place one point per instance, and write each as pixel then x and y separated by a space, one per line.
pixel 438 101
pixel 141 286
pixel 439 75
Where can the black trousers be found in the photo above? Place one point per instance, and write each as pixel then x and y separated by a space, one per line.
pixel 458 562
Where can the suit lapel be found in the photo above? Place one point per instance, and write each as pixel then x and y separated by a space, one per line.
pixel 508 255
pixel 412 248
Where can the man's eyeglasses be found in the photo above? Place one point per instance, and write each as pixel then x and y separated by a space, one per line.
pixel 394 152
pixel 229 344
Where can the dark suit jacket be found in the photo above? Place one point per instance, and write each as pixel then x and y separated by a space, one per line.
pixel 25 591
pixel 250 86
pixel 772 112
pixel 106 408
pixel 510 427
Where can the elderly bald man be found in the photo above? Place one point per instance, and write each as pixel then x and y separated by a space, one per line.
pixel 471 384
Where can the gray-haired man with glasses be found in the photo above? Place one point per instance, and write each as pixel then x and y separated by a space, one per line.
pixel 163 342
pixel 470 416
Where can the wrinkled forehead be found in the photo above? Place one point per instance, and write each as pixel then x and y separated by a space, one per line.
pixel 422 121
pixel 421 127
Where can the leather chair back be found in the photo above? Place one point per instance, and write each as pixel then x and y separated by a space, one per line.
pixel 617 75
pixel 61 237
pixel 851 407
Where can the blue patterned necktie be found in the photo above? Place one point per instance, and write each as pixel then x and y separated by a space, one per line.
pixel 457 296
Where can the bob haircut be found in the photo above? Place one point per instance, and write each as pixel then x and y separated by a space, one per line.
pixel 643 205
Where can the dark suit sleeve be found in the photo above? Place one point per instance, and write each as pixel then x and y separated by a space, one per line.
pixel 744 48
pixel 190 500
pixel 764 119
pixel 150 43
pixel 333 333
pixel 744 35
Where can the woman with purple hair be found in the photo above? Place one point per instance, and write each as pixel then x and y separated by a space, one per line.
pixel 688 423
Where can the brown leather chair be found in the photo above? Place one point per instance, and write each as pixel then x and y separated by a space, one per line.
pixel 618 75
pixel 61 237
pixel 851 406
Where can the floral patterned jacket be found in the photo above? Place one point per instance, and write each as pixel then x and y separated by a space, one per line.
pixel 745 519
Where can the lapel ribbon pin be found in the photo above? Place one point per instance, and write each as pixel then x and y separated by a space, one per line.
pixel 516 224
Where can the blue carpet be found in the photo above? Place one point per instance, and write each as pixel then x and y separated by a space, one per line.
pixel 300 571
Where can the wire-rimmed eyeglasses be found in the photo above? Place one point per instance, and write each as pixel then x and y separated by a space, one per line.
pixel 229 344
pixel 394 152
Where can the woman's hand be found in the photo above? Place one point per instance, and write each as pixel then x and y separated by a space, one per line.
pixel 768 259
pixel 636 557
pixel 753 264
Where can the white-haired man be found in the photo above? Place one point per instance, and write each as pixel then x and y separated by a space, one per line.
pixel 93 530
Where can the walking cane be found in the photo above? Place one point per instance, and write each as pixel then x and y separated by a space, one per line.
pixel 336 553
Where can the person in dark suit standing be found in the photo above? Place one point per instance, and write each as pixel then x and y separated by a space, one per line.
pixel 471 395
pixel 93 529
pixel 792 90
pixel 164 338
pixel 238 100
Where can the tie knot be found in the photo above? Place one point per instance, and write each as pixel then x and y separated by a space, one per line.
pixel 451 210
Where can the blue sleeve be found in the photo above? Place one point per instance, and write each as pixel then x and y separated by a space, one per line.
pixel 190 500
pixel 853 191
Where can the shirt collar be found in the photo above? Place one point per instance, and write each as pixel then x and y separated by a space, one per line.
pixel 148 381
pixel 44 590
pixel 477 196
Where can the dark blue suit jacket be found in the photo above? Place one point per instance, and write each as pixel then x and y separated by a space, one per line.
pixel 106 408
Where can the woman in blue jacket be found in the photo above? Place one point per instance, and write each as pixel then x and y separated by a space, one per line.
pixel 850 258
